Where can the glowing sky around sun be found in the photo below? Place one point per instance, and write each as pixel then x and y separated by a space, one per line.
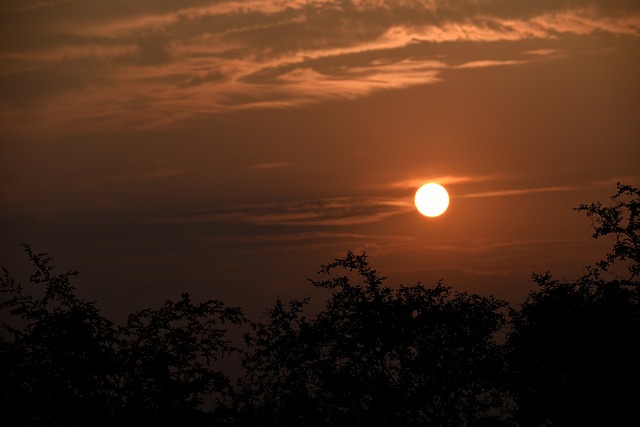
pixel 230 147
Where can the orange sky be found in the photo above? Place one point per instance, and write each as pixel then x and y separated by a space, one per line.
pixel 227 148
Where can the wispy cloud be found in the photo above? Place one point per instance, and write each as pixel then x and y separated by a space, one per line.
pixel 415 183
pixel 544 52
pixel 519 191
pixel 145 175
pixel 34 6
pixel 269 165
pixel 489 63
pixel 337 211
pixel 137 67
pixel 308 236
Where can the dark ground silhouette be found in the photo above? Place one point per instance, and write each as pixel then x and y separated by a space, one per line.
pixel 373 355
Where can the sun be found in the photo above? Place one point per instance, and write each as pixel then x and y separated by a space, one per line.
pixel 432 199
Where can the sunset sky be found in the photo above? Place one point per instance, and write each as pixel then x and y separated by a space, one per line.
pixel 228 148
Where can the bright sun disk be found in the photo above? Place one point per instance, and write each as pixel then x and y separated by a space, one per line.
pixel 432 199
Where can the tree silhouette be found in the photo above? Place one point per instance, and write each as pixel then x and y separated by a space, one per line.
pixel 621 219
pixel 58 360
pixel 573 349
pixel 169 358
pixel 376 356
pixel 62 363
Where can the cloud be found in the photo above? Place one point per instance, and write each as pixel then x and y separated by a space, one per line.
pixel 544 52
pixel 519 191
pixel 269 165
pixel 142 67
pixel 337 211
pixel 628 179
pixel 35 6
pixel 415 183
pixel 153 174
pixel 489 63
pixel 305 236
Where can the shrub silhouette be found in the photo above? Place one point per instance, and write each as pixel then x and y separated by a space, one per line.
pixel 59 366
pixel 64 364
pixel 574 350
pixel 372 355
pixel 376 356
pixel 169 358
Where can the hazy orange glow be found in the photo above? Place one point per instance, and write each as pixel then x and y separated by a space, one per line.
pixel 230 147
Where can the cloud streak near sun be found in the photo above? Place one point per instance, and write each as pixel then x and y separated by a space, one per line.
pixel 336 211
pixel 153 63
pixel 342 211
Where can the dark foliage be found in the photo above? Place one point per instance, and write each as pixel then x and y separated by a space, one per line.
pixel 620 219
pixel 372 355
pixel 169 357
pixel 375 356
pixel 574 347
pixel 65 364
pixel 59 366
